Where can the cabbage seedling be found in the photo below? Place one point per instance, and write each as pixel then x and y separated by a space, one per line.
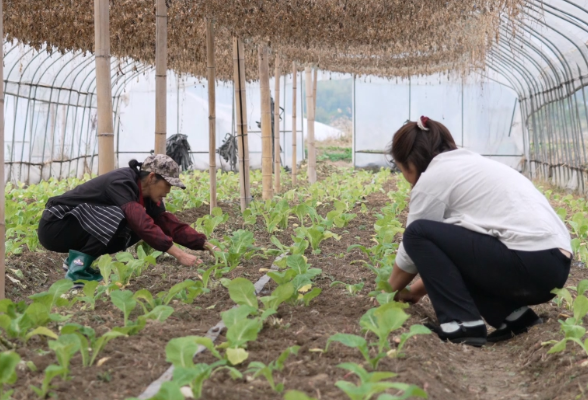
pixel 259 368
pixel 8 362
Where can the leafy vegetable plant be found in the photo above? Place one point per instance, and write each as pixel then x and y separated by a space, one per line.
pixel 208 223
pixel 8 362
pixel 259 368
pixel 315 235
pixel 372 383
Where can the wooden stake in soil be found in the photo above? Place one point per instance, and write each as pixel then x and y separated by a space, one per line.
pixel 2 183
pixel 241 108
pixel 294 74
pixel 211 111
pixel 310 121
pixel 277 164
pixel 266 120
pixel 105 129
pixel 160 76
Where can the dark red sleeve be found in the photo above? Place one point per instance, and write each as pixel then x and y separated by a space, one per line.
pixel 181 233
pixel 144 226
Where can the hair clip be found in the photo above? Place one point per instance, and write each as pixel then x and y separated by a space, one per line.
pixel 422 123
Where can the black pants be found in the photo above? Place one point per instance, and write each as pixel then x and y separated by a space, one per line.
pixel 63 235
pixel 469 275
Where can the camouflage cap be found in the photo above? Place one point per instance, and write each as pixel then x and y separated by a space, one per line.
pixel 166 167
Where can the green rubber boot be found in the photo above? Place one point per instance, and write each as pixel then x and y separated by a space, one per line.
pixel 80 267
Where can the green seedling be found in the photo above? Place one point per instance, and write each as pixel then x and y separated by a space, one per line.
pixel 23 322
pixel 92 291
pixel 65 347
pixel 579 224
pixel 180 352
pixel 297 395
pixel 563 294
pixel 53 297
pixel 414 330
pixel 303 210
pixel 358 343
pixel 208 223
pixel 299 247
pixel 249 218
pixel 51 372
pixel 352 289
pixel 382 321
pixel 242 292
pixel 573 328
pixel 277 215
pixel 371 383
pixel 315 235
pixel 338 217
pixel 8 362
pixel 124 301
pixel 240 246
pixel 258 368
pixel 90 345
pixel 309 296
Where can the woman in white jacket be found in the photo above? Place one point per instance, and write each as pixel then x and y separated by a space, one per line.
pixel 485 242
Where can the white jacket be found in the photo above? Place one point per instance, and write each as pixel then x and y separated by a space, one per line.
pixel 465 189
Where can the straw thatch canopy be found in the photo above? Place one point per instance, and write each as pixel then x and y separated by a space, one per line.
pixel 382 37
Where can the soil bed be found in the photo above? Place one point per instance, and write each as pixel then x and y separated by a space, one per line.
pixel 517 369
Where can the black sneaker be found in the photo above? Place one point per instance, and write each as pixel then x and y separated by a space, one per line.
pixel 516 327
pixel 470 335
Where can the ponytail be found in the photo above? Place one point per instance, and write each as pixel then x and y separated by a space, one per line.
pixel 135 166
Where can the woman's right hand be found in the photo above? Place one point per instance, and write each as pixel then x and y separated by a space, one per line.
pixel 184 258
pixel 406 296
pixel 188 260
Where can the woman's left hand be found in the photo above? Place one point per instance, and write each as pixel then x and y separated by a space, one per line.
pixel 211 248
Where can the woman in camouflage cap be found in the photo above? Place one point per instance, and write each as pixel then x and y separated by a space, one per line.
pixel 114 211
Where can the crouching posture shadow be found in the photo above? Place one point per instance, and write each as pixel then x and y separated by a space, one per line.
pixel 485 242
pixel 114 211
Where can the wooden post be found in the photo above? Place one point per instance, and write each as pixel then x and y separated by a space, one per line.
pixel 310 121
pixel 294 76
pixel 277 164
pixel 105 128
pixel 211 111
pixel 241 106
pixel 2 183
pixel 160 76
pixel 266 120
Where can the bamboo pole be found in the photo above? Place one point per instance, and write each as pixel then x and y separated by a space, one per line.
pixel 277 165
pixel 160 77
pixel 105 128
pixel 314 89
pixel 211 111
pixel 2 183
pixel 266 120
pixel 310 122
pixel 241 106
pixel 294 75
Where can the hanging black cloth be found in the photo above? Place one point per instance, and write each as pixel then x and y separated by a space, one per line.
pixel 178 148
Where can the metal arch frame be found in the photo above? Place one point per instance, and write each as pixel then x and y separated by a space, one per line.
pixel 76 78
pixel 546 76
pixel 554 89
pixel 575 123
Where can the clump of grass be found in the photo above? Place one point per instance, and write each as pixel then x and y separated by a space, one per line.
pixel 333 154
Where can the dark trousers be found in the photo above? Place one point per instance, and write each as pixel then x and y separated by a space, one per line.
pixel 63 235
pixel 469 275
